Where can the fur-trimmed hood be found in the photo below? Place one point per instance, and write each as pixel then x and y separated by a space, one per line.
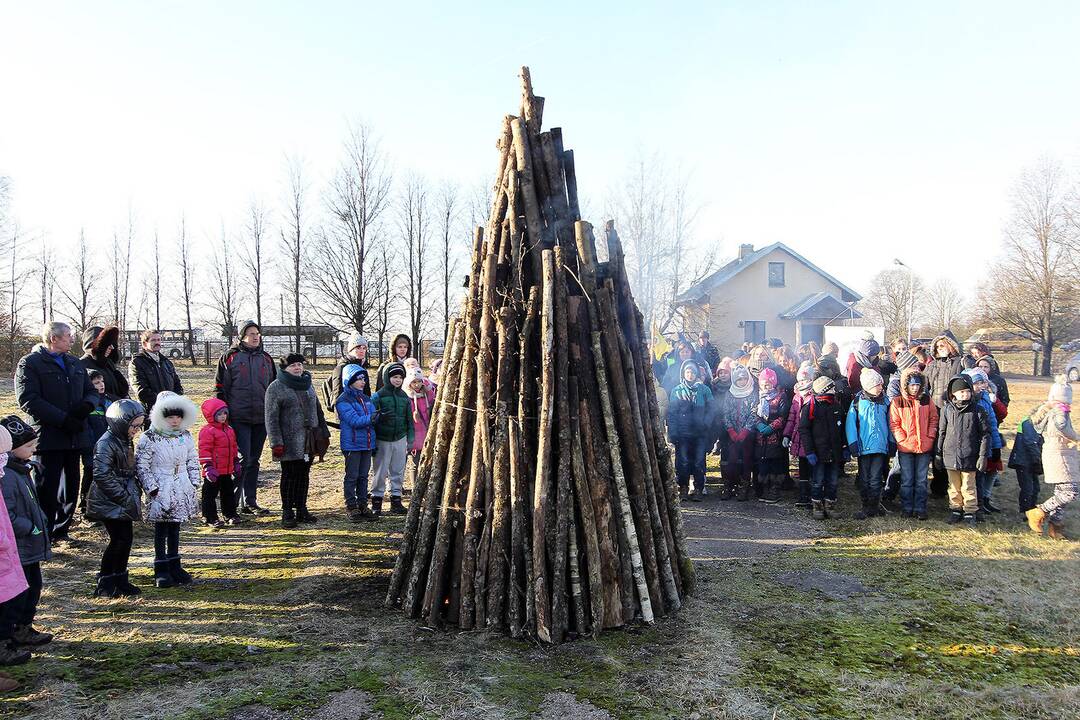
pixel 955 348
pixel 96 339
pixel 168 400
pixel 908 373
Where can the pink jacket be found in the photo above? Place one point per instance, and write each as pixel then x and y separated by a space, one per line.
pixel 12 580
pixel 791 430
pixel 421 405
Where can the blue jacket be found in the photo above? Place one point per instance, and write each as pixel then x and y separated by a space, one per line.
pixel 356 414
pixel 689 412
pixel 1027 448
pixel 868 425
pixel 996 443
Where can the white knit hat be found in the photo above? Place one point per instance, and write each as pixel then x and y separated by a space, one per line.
pixel 1060 391
pixel 869 378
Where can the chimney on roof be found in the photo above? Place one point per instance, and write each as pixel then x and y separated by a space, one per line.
pixel 745 250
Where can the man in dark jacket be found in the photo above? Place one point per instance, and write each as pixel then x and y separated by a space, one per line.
pixel 243 374
pixel 101 352
pixel 708 351
pixel 150 372
pixel 53 388
pixel 355 354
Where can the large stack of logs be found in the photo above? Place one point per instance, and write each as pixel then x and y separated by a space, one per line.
pixel 545 502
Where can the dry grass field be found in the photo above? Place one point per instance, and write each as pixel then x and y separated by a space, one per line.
pixel 884 619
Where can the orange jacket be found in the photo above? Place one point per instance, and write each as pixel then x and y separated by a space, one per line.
pixel 914 423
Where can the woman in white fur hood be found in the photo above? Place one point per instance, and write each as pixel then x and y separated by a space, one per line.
pixel 168 468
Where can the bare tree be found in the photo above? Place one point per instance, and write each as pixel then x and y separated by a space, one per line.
pixel 383 295
pixel 293 237
pixel 448 215
pixel 252 257
pixel 14 282
pixel 358 195
pixel 415 235
pixel 652 208
pixel 187 283
pixel 943 305
pixel 120 267
pixel 157 283
pixel 224 293
pixel 891 301
pixel 1035 290
pixel 80 293
pixel 45 278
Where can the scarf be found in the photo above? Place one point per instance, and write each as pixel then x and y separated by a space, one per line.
pixel 689 393
pixel 293 382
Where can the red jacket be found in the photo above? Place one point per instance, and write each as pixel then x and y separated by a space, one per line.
pixel 217 441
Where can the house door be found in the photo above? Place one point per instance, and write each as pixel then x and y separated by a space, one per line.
pixel 812 333
pixel 754 331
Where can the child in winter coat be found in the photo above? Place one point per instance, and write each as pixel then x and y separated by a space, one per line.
pixel 13 587
pixel 357 415
pixel 821 429
pixel 737 420
pixel 913 419
pixel 168 467
pixel 772 412
pixel 1060 459
pixel 30 526
pixel 394 431
pixel 114 498
pixel 984 481
pixel 689 422
pixel 1026 461
pixel 96 425
pixel 804 390
pixel 869 439
pixel 217 457
pixel 422 399
pixel 963 448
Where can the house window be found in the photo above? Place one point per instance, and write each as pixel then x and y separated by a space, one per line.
pixel 776 274
pixel 754 331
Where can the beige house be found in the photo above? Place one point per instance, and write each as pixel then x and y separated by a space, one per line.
pixel 771 292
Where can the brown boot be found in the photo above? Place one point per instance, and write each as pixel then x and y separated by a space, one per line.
pixel 819 509
pixel 7 683
pixel 1057 531
pixel 11 655
pixel 27 635
pixel 1035 519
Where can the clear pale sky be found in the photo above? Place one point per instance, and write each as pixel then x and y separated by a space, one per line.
pixel 853 131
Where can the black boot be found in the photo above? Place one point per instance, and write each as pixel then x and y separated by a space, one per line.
pixel 163 575
pixel 124 588
pixel 302 515
pixel 288 517
pixel 11 655
pixel 868 511
pixel 990 507
pixel 179 575
pixel 804 494
pixel 396 508
pixel 376 507
pixel 955 516
pixel 969 519
pixel 106 586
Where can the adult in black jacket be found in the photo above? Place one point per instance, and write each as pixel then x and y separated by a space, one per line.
pixel 708 351
pixel 946 363
pixel 101 352
pixel 53 388
pixel 355 354
pixel 150 372
pixel 243 374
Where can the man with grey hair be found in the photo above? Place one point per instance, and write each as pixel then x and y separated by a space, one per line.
pixel 54 389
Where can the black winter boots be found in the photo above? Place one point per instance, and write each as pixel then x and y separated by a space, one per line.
pixel 396 508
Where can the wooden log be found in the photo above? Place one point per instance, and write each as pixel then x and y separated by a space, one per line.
pixel 587 256
pixel 564 230
pixel 578 596
pixel 439 433
pixel 542 511
pixel 564 505
pixel 518 586
pixel 570 170
pixel 501 522
pixel 534 223
pixel 586 525
pixel 524 466
pixel 532 107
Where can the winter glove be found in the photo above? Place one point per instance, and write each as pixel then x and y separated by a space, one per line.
pixel 847 455
pixel 995 455
pixel 211 474
pixel 763 428
pixel 278 451
pixel 980 465
pixel 812 459
pixel 73 424
pixel 855 449
pixel 82 410
pixel 786 442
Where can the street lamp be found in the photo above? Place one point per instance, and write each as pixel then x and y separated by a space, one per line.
pixel 911 294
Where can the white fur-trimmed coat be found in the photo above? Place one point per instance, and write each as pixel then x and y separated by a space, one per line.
pixel 168 463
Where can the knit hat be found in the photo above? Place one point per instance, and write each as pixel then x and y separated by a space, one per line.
pixel 1060 391
pixel 741 384
pixel 827 365
pixel 977 375
pixel 806 372
pixel 395 368
pixel 20 431
pixel 905 360
pixel 5 442
pixel 870 347
pixel 417 373
pixel 915 378
pixel 290 359
pixel 824 386
pixel 768 375
pixel 355 341
pixel 958 383
pixel 94 373
pixel 725 363
pixel 869 378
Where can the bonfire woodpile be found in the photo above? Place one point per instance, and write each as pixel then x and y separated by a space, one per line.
pixel 545 502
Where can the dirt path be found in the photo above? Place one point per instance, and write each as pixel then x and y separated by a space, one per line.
pixel 729 530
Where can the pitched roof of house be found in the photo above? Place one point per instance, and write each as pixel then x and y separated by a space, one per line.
pixel 819 306
pixel 733 268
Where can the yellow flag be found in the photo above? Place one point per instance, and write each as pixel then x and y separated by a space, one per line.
pixel 660 344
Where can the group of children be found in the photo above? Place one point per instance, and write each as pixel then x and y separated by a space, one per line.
pixel 901 416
